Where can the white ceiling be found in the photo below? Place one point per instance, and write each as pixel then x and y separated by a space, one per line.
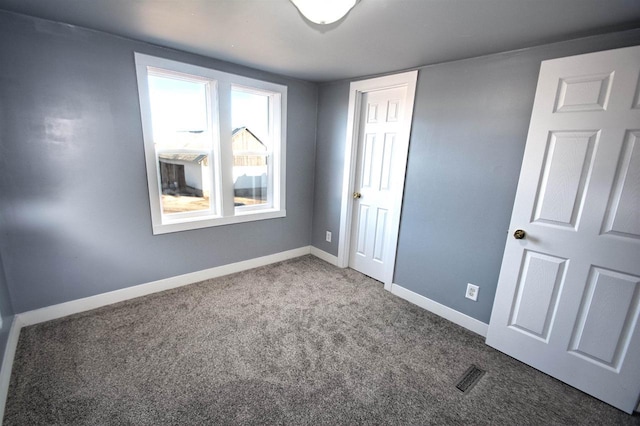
pixel 377 36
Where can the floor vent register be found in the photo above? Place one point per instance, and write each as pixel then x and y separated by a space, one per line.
pixel 470 378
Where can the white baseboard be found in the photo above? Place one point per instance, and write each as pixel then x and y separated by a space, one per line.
pixel 81 305
pixel 48 313
pixel 86 304
pixel 452 315
pixel 327 257
pixel 7 362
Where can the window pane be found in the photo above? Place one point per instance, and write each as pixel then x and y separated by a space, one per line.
pixel 250 179
pixel 250 144
pixel 185 182
pixel 250 110
pixel 178 112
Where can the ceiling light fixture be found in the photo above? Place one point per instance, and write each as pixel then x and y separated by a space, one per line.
pixel 324 11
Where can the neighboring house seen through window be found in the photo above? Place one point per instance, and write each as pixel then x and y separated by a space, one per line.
pixel 214 145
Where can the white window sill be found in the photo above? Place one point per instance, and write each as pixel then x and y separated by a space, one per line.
pixel 206 222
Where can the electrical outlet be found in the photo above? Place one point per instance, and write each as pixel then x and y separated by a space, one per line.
pixel 472 292
pixel 328 237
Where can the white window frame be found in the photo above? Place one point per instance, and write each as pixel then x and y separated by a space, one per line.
pixel 272 152
pixel 223 211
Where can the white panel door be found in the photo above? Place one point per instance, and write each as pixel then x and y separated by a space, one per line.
pixel 379 176
pixel 568 297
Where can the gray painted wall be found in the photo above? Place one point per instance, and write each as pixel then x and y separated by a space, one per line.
pixel 469 130
pixel 333 102
pixel 73 185
pixel 72 174
pixel 7 310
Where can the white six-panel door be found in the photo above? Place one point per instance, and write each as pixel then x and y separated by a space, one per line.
pixel 568 297
pixel 379 175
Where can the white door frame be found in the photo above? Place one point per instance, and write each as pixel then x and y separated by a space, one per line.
pixel 356 91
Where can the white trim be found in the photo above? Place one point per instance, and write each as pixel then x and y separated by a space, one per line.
pixel 356 90
pixel 198 223
pixel 81 305
pixel 218 100
pixel 327 257
pixel 88 303
pixel 445 312
pixel 7 362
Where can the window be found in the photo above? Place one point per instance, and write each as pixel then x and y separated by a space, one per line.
pixel 214 145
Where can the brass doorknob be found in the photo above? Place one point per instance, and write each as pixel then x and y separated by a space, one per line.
pixel 519 234
pixel 357 195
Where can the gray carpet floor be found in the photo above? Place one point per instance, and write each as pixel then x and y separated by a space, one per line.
pixel 298 342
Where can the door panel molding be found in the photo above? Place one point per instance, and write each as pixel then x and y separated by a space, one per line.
pixel 356 91
pixel 568 294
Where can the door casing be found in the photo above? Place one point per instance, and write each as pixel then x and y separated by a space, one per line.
pixel 356 91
